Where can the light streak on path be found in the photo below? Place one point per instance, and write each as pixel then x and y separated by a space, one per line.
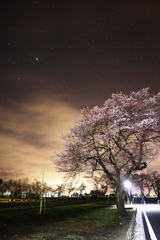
pixel 150 229
pixel 150 213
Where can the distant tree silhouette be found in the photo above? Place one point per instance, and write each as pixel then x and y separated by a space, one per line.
pixel 81 188
pixel 155 182
pixel 1 181
pixel 70 187
pixel 60 189
pixel 142 181
pixel 100 184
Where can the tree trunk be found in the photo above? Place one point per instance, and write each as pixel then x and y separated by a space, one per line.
pixel 142 193
pixel 119 198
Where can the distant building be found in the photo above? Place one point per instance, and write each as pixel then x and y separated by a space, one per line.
pixel 9 193
pixel 23 195
pixel 47 194
pixel 135 195
pixel 75 194
pixel 55 194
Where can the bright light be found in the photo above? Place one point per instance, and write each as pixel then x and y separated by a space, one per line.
pixel 149 207
pixel 127 184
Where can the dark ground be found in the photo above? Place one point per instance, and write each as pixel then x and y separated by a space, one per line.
pixel 61 222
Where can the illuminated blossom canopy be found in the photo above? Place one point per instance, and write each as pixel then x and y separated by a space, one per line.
pixel 117 139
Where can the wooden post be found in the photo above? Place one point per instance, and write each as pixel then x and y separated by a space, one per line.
pixel 45 205
pixel 41 196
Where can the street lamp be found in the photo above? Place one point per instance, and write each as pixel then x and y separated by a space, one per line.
pixel 127 185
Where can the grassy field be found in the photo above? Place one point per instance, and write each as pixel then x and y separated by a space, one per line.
pixel 63 219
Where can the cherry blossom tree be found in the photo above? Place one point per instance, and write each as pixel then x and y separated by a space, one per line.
pixel 155 182
pixel 143 181
pixel 117 139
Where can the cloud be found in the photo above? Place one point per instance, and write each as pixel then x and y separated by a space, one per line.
pixel 29 135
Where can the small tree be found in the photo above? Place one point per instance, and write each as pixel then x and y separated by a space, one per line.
pixel 10 186
pixel 70 188
pixel 37 187
pixel 100 184
pixel 4 187
pixel 18 186
pixel 26 186
pixel 117 139
pixel 60 189
pixel 96 182
pixel 104 189
pixel 81 188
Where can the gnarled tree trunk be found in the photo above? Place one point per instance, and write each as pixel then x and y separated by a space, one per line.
pixel 120 198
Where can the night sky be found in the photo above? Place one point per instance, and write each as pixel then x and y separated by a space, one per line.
pixel 57 57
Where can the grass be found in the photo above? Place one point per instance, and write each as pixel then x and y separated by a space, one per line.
pixel 22 211
pixel 43 235
pixel 62 220
pixel 104 217
pixel 75 237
